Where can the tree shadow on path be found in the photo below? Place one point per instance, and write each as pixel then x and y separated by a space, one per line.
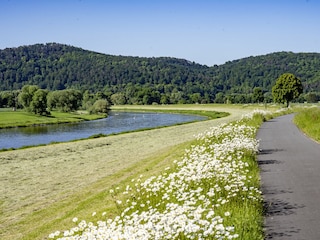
pixel 275 207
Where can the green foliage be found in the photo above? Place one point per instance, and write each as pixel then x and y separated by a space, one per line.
pixel 118 99
pixel 101 106
pixel 65 100
pixel 26 95
pixel 257 95
pixel 287 88
pixel 220 98
pixel 9 99
pixel 312 97
pixel 162 80
pixel 38 104
pixel 34 99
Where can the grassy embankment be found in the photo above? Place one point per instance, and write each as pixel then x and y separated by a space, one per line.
pixel 308 120
pixel 213 190
pixel 43 188
pixel 9 118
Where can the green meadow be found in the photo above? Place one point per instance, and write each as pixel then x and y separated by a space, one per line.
pixel 9 118
pixel 43 188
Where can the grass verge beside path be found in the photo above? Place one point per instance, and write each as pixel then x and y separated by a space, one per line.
pixel 308 120
pixel 59 180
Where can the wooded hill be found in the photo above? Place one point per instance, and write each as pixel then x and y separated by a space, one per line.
pixel 139 80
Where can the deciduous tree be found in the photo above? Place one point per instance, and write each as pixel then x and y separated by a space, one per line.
pixel 38 104
pixel 257 95
pixel 101 106
pixel 287 88
pixel 26 95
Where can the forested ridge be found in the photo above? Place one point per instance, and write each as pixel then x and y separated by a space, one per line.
pixel 140 80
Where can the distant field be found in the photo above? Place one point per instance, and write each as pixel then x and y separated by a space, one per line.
pixel 42 188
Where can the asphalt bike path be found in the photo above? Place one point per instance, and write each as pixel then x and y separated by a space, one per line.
pixel 290 177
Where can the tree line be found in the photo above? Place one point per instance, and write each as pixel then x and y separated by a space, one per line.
pixel 165 80
pixel 41 101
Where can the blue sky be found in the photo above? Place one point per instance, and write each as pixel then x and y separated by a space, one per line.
pixel 203 31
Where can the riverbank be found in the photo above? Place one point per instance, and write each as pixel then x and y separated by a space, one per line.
pixel 40 186
pixel 118 122
pixel 11 118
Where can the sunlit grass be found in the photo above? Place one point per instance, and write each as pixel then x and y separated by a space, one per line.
pixel 55 174
pixel 22 118
pixel 96 197
pixel 308 120
pixel 212 192
pixel 73 179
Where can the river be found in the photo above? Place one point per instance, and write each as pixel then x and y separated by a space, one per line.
pixel 116 122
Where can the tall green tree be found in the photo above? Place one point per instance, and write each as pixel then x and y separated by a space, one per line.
pixel 26 95
pixel 118 99
pixel 219 98
pixel 38 104
pixel 287 88
pixel 257 95
pixel 101 106
pixel 65 100
pixel 9 99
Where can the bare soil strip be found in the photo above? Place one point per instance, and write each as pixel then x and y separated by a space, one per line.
pixel 33 179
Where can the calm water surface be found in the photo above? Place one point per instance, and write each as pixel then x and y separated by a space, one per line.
pixel 117 122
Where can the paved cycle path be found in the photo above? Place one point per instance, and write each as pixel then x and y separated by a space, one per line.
pixel 290 177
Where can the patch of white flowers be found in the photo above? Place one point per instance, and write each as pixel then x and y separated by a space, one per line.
pixel 256 112
pixel 191 200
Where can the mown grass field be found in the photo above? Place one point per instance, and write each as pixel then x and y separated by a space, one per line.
pixel 43 188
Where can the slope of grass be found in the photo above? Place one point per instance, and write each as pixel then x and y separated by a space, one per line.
pixel 212 192
pixel 95 198
pixel 43 188
pixel 308 120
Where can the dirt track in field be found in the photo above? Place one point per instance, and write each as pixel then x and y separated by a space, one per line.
pixel 31 179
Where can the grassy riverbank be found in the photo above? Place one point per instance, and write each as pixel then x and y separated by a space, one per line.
pixel 14 119
pixel 43 188
pixel 22 118
pixel 9 118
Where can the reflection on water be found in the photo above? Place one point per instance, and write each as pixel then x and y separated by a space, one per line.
pixel 117 122
pixel 34 130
